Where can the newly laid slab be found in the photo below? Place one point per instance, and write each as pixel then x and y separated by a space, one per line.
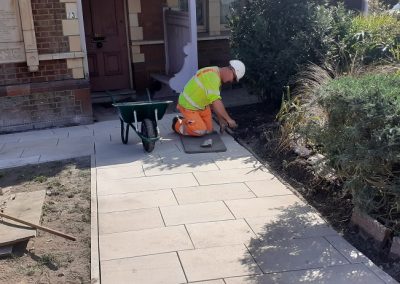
pixel 151 269
pixel 222 233
pixel 144 242
pixel 137 200
pixel 128 185
pixel 296 254
pixel 352 273
pixel 219 262
pixel 130 220
pixel 208 193
pixel 233 175
pixel 195 213
pixel 265 206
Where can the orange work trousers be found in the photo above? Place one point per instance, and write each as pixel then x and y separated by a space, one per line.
pixel 194 122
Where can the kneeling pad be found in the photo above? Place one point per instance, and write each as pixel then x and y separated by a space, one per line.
pixel 193 144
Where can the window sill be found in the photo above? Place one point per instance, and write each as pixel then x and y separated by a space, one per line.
pixel 207 36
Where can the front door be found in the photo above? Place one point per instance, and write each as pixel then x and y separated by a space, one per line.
pixel 106 42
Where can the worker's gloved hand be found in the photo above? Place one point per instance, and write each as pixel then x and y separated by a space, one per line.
pixel 231 123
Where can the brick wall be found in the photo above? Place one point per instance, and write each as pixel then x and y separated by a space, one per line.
pixel 18 73
pixel 41 105
pixel 155 63
pixel 48 97
pixel 213 52
pixel 151 19
pixel 47 19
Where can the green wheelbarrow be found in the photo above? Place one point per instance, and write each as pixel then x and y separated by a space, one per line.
pixel 147 114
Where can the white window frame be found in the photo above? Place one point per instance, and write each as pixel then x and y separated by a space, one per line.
pixel 223 26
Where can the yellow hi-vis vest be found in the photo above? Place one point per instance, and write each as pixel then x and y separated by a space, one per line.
pixel 202 90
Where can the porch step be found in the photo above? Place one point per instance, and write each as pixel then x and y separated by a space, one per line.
pixel 118 95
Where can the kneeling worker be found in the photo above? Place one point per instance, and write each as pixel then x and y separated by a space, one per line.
pixel 201 95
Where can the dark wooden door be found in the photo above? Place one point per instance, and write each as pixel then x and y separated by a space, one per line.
pixel 106 43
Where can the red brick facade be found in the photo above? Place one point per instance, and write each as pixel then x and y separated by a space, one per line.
pixel 18 73
pixel 41 105
pixel 151 19
pixel 213 52
pixel 48 97
pixel 210 52
pixel 47 19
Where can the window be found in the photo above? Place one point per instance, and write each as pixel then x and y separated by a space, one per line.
pixel 225 10
pixel 201 15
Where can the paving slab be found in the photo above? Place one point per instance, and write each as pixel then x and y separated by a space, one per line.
pixel 110 155
pixel 268 187
pixel 79 131
pixel 32 143
pixel 265 206
pixel 352 273
pixel 152 269
pixel 220 281
pixel 208 193
pixel 219 262
pixel 131 185
pixel 58 157
pixel 16 162
pixel 347 250
pixel 130 171
pixel 215 234
pixel 144 242
pixel 9 138
pixel 11 153
pixel 30 135
pixel 139 200
pixel 295 254
pixel 290 224
pixel 131 220
pixel 195 213
pixel 179 164
pixel 234 175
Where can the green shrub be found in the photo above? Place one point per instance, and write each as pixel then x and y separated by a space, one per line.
pixel 360 136
pixel 373 38
pixel 275 38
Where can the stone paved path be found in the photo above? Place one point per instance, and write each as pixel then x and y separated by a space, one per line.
pixel 170 217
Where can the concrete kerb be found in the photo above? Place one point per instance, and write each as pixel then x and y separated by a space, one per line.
pixel 94 235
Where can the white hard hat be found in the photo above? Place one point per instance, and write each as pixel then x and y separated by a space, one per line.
pixel 239 68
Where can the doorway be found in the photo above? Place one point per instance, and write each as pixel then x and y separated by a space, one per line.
pixel 106 43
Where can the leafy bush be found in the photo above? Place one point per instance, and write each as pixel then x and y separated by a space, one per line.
pixel 275 38
pixel 360 136
pixel 374 38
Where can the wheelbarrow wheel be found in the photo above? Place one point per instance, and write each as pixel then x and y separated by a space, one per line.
pixel 148 131
pixel 124 132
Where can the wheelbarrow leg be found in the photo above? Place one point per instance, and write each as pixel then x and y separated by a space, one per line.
pixel 124 132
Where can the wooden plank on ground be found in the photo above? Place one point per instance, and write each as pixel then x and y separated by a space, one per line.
pixel 26 206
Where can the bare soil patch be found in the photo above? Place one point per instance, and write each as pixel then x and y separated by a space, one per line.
pixel 49 258
pixel 258 131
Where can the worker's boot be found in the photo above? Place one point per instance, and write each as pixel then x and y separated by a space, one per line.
pixel 174 121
